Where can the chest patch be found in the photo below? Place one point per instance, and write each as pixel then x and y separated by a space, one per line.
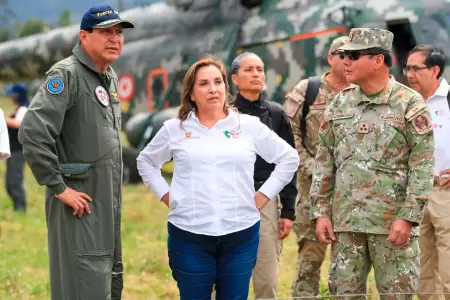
pixel 340 116
pixel 363 127
pixel 102 95
pixel 320 103
pixel 233 134
pixel 394 119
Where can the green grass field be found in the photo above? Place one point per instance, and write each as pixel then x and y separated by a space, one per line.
pixel 23 246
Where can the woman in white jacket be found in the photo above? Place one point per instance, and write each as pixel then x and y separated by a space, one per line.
pixel 214 211
pixel 5 152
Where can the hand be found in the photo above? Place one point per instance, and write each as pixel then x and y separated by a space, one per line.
pixel 445 179
pixel 261 200
pixel 399 233
pixel 285 228
pixel 76 200
pixel 165 199
pixel 324 231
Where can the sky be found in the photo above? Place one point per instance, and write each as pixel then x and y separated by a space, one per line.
pixel 49 10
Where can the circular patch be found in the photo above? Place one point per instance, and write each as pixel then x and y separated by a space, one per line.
pixel 102 95
pixel 126 87
pixel 55 85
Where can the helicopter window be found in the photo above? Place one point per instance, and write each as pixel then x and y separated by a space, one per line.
pixel 250 3
pixel 404 40
pixel 157 84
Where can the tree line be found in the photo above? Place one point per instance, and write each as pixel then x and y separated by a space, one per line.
pixel 10 28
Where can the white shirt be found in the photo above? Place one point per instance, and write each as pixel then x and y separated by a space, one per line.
pixel 4 138
pixel 212 191
pixel 440 115
pixel 20 113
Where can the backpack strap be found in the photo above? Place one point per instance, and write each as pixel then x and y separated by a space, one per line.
pixel 275 113
pixel 310 96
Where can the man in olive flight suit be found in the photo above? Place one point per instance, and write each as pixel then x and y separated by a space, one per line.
pixel 71 141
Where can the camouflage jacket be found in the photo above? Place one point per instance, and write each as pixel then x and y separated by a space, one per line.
pixel 293 106
pixel 374 161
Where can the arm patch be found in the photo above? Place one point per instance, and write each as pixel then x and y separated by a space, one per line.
pixel 55 85
pixel 422 123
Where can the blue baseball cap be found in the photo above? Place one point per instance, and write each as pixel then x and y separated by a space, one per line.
pixel 19 91
pixel 102 16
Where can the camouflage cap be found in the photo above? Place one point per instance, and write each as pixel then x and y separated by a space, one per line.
pixel 365 38
pixel 337 43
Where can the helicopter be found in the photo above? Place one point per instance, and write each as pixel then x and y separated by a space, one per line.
pixel 291 36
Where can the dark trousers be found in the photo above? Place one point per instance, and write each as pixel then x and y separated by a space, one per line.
pixel 14 180
pixel 199 261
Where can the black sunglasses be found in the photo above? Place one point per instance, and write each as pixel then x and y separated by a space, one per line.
pixel 355 55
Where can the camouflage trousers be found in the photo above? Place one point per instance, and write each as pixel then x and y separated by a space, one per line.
pixel 396 268
pixel 310 253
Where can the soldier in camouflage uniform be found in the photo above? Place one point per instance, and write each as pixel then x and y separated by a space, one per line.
pixel 310 252
pixel 373 173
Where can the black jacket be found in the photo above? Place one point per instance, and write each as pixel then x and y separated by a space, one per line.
pixel 271 114
pixel 13 133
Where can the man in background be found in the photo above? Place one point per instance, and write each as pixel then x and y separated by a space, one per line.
pixel 424 68
pixel 305 106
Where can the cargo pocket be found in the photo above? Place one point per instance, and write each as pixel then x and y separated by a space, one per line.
pixel 95 274
pixel 407 254
pixel 100 108
pixel 383 143
pixel 75 170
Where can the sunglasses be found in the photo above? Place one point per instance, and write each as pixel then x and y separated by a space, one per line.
pixel 355 55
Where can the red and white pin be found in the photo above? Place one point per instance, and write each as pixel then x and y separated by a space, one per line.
pixel 102 95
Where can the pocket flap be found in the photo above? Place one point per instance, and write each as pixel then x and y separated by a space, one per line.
pixel 75 170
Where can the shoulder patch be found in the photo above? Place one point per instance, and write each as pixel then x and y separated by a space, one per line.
pixel 422 123
pixel 416 108
pixel 55 85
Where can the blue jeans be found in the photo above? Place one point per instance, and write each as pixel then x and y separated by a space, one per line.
pixel 200 261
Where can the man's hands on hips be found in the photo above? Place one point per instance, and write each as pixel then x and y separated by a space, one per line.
pixel 260 200
pixel 285 228
pixel 324 231
pixel 399 233
pixel 77 200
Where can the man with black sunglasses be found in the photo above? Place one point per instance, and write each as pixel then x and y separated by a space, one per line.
pixel 305 106
pixel 424 68
pixel 373 173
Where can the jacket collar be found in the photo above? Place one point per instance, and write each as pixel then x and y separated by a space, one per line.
pixel 242 103
pixel 383 97
pixel 84 58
